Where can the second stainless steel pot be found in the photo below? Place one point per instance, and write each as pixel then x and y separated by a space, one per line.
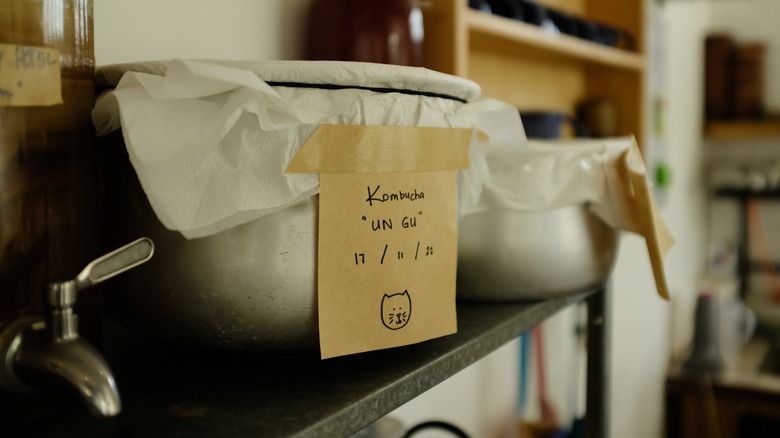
pixel 510 255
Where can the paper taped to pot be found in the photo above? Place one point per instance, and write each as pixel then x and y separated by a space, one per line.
pixel 387 251
pixel 209 140
pixel 642 215
pixel 608 174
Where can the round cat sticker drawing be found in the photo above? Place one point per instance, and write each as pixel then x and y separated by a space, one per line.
pixel 396 310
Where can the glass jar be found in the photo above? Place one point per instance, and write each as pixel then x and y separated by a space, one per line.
pixel 382 31
pixel 46 157
pixel 46 167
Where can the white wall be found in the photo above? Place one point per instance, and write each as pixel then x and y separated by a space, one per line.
pixel 140 30
pixel 686 211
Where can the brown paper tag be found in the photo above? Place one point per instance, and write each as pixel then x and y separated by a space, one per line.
pixel 387 253
pixel 29 76
pixel 644 217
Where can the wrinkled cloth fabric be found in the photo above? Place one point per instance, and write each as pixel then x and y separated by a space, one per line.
pixel 209 140
pixel 545 175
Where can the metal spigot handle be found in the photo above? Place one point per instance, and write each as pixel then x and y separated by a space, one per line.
pixel 63 294
pixel 115 262
pixel 64 356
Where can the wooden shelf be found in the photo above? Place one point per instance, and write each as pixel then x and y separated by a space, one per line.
pixel 534 70
pixel 742 129
pixel 485 27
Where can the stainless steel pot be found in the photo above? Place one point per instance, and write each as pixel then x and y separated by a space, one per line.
pixel 509 255
pixel 250 287
pixel 254 286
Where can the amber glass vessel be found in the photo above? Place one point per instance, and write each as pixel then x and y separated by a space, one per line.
pixel 383 31
pixel 45 164
pixel 45 156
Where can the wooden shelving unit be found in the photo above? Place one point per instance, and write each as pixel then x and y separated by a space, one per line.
pixel 742 129
pixel 488 29
pixel 532 69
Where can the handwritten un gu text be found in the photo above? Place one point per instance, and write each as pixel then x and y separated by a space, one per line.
pixel 387 223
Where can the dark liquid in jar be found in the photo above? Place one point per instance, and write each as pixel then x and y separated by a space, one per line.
pixel 382 31
pixel 46 158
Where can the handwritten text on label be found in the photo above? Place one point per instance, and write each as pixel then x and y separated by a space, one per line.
pixel 29 76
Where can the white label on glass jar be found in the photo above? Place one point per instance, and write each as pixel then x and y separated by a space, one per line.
pixel 29 76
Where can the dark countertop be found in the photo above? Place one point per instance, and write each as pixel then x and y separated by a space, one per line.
pixel 170 391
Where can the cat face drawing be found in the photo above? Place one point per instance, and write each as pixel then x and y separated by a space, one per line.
pixel 396 310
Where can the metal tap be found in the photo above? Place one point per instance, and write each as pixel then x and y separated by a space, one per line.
pixel 49 353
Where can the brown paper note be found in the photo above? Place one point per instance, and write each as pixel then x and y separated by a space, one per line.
pixel 644 217
pixel 29 76
pixel 387 253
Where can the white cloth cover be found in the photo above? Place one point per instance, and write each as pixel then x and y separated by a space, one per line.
pixel 209 140
pixel 545 174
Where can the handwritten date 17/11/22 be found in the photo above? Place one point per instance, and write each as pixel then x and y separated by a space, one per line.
pixel 398 255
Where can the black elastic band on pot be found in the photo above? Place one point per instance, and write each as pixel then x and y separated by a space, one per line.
pixel 101 89
pixel 359 87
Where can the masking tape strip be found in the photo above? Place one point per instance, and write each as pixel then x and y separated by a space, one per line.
pixel 376 149
pixel 651 226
